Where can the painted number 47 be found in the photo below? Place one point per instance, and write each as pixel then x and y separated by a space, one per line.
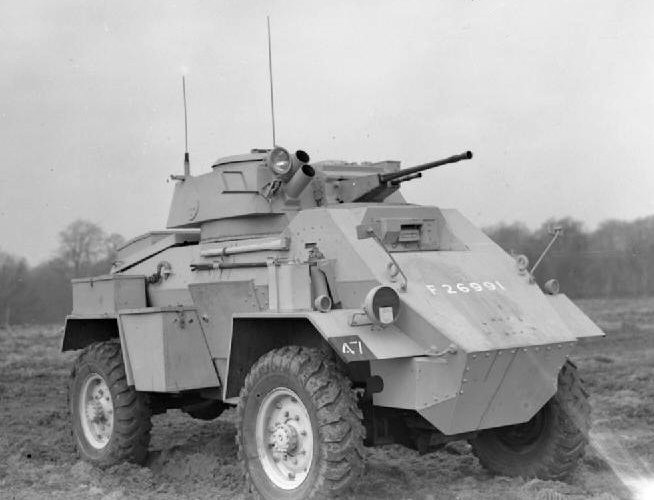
pixel 353 347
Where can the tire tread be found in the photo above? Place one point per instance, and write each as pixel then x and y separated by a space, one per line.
pixel 132 414
pixel 562 453
pixel 339 418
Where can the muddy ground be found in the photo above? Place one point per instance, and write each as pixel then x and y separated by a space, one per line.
pixel 192 459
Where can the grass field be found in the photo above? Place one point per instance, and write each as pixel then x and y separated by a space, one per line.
pixel 192 459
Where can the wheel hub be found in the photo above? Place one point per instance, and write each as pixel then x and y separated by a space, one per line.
pixel 96 411
pixel 284 438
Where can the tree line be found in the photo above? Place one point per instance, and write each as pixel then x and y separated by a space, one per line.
pixel 43 293
pixel 614 260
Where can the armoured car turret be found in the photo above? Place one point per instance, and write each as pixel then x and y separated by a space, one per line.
pixel 332 314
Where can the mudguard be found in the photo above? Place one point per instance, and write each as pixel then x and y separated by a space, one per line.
pixel 352 343
pixel 573 317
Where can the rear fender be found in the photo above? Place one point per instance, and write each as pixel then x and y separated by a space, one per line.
pixel 81 331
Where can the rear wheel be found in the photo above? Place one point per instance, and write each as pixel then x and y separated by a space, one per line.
pixel 549 445
pixel 110 420
pixel 299 433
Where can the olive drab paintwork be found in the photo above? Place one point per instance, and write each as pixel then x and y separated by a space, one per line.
pixel 255 258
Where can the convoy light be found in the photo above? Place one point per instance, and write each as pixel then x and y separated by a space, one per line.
pixel 552 287
pixel 382 305
pixel 279 161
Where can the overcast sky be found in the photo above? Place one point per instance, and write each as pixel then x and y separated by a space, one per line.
pixel 554 97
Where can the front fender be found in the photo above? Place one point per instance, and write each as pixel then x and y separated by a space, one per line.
pixel 574 318
pixel 353 343
pixel 256 333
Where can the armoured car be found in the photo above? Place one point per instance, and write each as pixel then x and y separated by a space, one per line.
pixel 332 315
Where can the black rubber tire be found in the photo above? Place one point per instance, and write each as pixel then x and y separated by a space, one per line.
pixel 333 411
pixel 130 438
pixel 559 435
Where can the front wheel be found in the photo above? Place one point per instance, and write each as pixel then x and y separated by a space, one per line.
pixel 110 420
pixel 299 433
pixel 550 445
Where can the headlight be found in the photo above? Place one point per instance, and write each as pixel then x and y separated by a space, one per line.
pixel 382 305
pixel 279 161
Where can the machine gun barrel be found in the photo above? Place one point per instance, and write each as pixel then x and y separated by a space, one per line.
pixel 410 177
pixel 425 166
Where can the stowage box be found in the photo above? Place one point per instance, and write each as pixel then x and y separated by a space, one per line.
pixel 106 295
pixel 167 350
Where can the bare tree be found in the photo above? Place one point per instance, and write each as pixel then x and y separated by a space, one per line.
pixel 112 243
pixel 14 286
pixel 82 243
